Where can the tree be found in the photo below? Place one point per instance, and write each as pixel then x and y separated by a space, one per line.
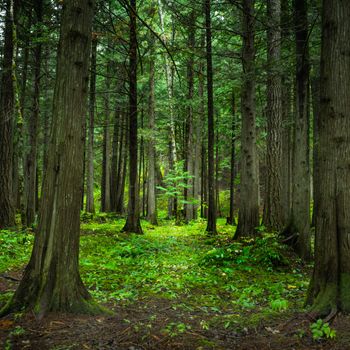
pixel 273 213
pixel 51 280
pixel 211 226
pixel 133 218
pixel 30 168
pixel 330 284
pixel 231 218
pixel 7 112
pixel 298 229
pixel 151 152
pixel 190 145
pixel 90 204
pixel 248 216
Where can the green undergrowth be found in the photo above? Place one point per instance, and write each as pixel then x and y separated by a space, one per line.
pixel 228 282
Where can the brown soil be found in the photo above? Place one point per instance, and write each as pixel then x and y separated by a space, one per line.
pixel 151 324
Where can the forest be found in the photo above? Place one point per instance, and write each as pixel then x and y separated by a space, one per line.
pixel 174 174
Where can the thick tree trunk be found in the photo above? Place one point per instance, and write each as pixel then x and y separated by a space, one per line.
pixel 90 204
pixel 231 217
pixel 248 216
pixel 273 213
pixel 151 151
pixel 287 117
pixel 330 285
pixel 30 165
pixel 211 226
pixel 298 230
pixel 133 217
pixel 7 114
pixel 51 281
pixel 106 161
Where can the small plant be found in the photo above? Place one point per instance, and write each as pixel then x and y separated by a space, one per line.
pixel 320 329
pixel 279 305
pixel 173 329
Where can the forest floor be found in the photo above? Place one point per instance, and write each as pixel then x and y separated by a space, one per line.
pixel 173 288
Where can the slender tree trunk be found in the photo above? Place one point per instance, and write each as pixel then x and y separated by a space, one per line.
pixel 190 146
pixel 211 227
pixel 172 203
pixel 7 116
pixel 231 218
pixel 30 169
pixel 298 229
pixel 248 217
pixel 330 285
pixel 151 151
pixel 273 213
pixel 90 204
pixel 51 280
pixel 106 161
pixel 315 89
pixel 133 218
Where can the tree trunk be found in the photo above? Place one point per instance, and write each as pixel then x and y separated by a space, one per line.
pixel 330 285
pixel 190 147
pixel 151 151
pixel 106 161
pixel 51 281
pixel 298 229
pixel 30 168
pixel 7 113
pixel 287 117
pixel 133 218
pixel 211 227
pixel 90 204
pixel 315 89
pixel 172 202
pixel 273 213
pixel 248 216
pixel 231 218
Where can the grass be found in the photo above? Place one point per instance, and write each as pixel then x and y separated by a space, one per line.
pixel 223 280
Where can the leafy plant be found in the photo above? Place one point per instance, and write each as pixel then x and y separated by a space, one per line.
pixel 320 329
pixel 279 305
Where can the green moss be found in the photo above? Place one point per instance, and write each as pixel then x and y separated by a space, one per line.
pixel 326 300
pixel 344 290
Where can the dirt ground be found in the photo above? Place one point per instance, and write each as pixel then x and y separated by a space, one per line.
pixel 140 326
pixel 157 323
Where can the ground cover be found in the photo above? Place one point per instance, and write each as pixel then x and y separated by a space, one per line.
pixel 173 288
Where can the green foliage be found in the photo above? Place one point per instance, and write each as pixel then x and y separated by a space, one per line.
pixel 279 305
pixel 15 247
pixel 320 329
pixel 177 263
pixel 264 251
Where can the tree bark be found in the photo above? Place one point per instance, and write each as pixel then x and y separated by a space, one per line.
pixel 7 115
pixel 248 217
pixel 231 218
pixel 211 226
pixel 273 213
pixel 106 161
pixel 330 284
pixel 133 218
pixel 298 229
pixel 172 202
pixel 287 117
pixel 190 150
pixel 90 204
pixel 30 168
pixel 51 280
pixel 151 151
